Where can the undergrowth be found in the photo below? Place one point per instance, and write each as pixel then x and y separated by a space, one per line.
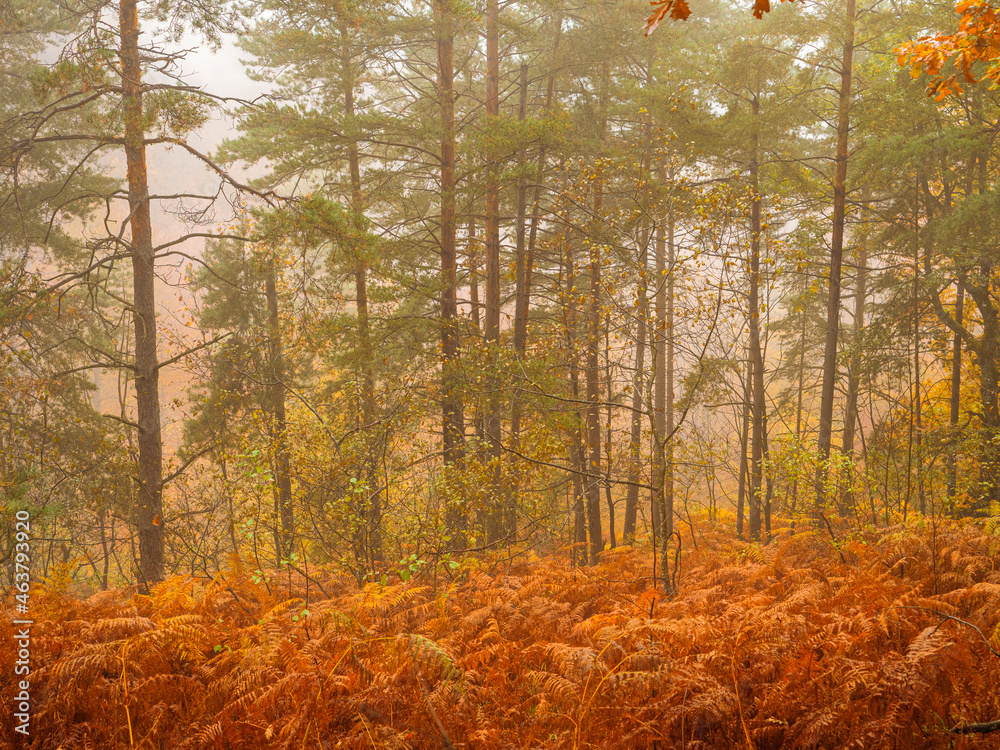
pixel 791 645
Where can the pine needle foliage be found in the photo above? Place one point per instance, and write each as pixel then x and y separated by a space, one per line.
pixel 780 646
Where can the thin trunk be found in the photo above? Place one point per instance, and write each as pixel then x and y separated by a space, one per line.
pixel 607 435
pixel 956 399
pixel 372 513
pixel 744 440
pixel 522 296
pixel 987 358
pixel 453 429
pixel 577 456
pixel 522 300
pixel 668 386
pixel 756 356
pixel 149 510
pixel 836 261
pixel 104 549
pixel 593 353
pixel 769 494
pixel 659 341
pixel 854 372
pixel 276 400
pixel 917 399
pixel 798 404
pixel 593 481
pixel 638 384
pixel 495 528
pixel 473 259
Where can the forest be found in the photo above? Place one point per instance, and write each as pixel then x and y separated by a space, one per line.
pixel 480 374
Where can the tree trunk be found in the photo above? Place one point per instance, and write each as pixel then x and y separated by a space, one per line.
pixel 917 400
pixel 836 261
pixel 638 384
pixel 276 398
pixel 453 429
pixel 522 299
pixel 744 440
pixel 607 435
pixel 149 510
pixel 798 405
pixel 956 400
pixel 492 322
pixel 854 371
pixel 756 356
pixel 593 479
pixel 987 355
pixel 577 456
pixel 661 527
pixel 668 385
pixel 372 512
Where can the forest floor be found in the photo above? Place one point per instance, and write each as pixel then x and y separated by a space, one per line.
pixel 801 643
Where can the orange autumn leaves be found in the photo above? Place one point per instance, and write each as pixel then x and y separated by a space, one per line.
pixel 974 50
pixel 678 10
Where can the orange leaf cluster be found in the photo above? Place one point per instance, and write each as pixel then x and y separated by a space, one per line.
pixel 678 10
pixel 778 646
pixel 976 44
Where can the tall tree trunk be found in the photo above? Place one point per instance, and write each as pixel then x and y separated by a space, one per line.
pixel 744 444
pixel 668 384
pixel 662 524
pixel 522 299
pixel 798 404
pixel 149 510
pixel 917 400
pixel 522 294
pixel 453 428
pixel 756 356
pixel 593 479
pixel 492 323
pixel 372 513
pixel 854 371
pixel 276 398
pixel 638 385
pixel 956 399
pixel 473 260
pixel 607 435
pixel 577 455
pixel 836 261
pixel 987 356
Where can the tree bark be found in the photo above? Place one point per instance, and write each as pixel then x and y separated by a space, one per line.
pixel 956 399
pixel 836 262
pixel 756 356
pixel 522 299
pixel 276 398
pixel 609 499
pixel 744 441
pixel 659 341
pixel 854 371
pixel 638 385
pixel 149 511
pixel 492 321
pixel 453 428
pixel 372 512
pixel 577 456
pixel 593 482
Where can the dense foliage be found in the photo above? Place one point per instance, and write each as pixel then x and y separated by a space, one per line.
pixel 872 643
pixel 372 394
